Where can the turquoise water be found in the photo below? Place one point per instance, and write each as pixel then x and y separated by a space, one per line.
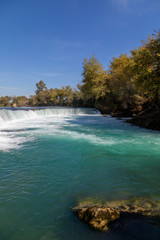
pixel 52 159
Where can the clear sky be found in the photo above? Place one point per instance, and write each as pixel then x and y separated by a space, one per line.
pixel 48 39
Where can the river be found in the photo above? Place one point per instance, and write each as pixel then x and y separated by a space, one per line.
pixel 52 159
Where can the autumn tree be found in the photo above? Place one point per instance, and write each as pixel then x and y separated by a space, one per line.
pixel 147 68
pixel 53 97
pixel 20 101
pixel 93 84
pixel 5 101
pixel 41 86
pixel 121 83
pixel 32 101
pixel 78 100
pixel 42 94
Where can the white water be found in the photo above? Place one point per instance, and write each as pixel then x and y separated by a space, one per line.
pixel 7 115
pixel 14 124
pixel 18 127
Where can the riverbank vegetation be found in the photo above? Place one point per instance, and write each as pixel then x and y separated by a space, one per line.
pixel 131 85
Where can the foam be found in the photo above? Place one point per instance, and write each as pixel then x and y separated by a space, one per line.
pixel 20 127
pixel 15 133
pixel 11 141
pixel 7 115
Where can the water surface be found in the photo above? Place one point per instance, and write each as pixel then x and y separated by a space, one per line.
pixel 52 159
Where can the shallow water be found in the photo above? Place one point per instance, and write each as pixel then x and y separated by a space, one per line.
pixel 51 160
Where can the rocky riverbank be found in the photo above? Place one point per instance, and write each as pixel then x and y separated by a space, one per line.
pixel 147 120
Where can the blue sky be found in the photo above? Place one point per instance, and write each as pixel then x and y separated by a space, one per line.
pixel 48 39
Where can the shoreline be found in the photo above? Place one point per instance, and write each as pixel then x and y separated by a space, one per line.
pixel 146 119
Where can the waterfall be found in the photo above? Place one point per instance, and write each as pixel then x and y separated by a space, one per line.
pixel 7 115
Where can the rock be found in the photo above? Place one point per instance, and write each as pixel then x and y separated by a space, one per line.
pixel 97 216
pixel 14 105
pixel 147 120
pixel 103 217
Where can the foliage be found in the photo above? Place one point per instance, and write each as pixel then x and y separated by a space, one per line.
pixel 20 101
pixel 64 96
pixel 5 101
pixel 131 82
pixel 41 86
pixel 94 81
pixel 121 83
pixel 147 68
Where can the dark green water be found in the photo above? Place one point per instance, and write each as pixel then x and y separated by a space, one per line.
pixel 50 163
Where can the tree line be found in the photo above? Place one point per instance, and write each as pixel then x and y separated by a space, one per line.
pixel 65 96
pixel 130 84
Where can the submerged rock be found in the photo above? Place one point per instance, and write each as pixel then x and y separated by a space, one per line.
pixel 97 216
pixel 111 215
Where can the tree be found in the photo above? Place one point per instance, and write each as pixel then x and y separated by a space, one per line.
pixel 41 86
pixel 32 101
pixel 121 83
pixel 20 101
pixel 42 98
pixel 62 96
pixel 78 100
pixel 147 68
pixel 68 96
pixel 52 97
pixel 5 101
pixel 94 80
